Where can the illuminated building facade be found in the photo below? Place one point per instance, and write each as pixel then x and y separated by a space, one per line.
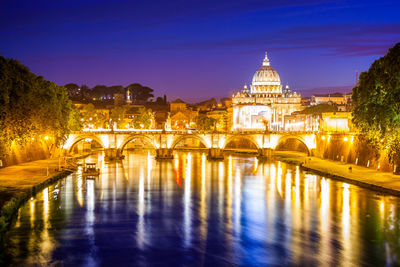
pixel 336 122
pixel 265 104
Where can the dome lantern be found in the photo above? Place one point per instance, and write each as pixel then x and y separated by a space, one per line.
pixel 266 79
pixel 266 60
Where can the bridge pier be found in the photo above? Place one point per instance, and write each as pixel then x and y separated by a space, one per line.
pixel 215 154
pixel 265 153
pixel 112 154
pixel 164 154
pixel 313 152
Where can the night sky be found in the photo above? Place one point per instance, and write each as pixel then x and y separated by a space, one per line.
pixel 198 49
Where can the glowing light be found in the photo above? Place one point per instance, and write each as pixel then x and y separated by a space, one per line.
pixel 323 137
pixel 345 139
pixel 46 138
pixel 187 212
pixel 346 210
pixel 141 231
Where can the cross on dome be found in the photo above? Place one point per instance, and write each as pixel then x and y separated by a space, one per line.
pixel 266 60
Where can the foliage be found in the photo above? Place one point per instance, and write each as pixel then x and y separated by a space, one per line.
pixel 30 106
pixel 377 103
pixel 205 123
pixel 318 109
pixel 118 116
pixel 93 118
pixel 140 93
pixel 75 123
pixel 222 123
pixel 144 120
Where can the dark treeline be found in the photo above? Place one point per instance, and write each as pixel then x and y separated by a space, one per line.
pixel 137 92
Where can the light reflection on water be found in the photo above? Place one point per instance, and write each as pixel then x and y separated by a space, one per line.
pixel 191 211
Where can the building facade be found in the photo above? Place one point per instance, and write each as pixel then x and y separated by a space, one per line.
pixel 265 105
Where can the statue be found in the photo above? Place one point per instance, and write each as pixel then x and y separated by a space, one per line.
pixel 168 125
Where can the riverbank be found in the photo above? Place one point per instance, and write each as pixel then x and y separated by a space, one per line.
pixel 20 182
pixel 383 182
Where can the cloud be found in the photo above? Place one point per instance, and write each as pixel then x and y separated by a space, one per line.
pixel 345 40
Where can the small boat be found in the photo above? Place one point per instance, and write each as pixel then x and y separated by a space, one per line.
pixel 90 170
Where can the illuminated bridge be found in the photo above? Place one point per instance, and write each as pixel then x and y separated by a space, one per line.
pixel 164 142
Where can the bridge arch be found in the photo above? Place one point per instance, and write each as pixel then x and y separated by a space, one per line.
pixel 285 138
pixel 71 143
pixel 186 136
pixel 137 136
pixel 238 137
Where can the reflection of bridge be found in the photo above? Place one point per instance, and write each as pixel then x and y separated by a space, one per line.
pixel 165 142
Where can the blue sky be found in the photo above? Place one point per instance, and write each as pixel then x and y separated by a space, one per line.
pixel 198 49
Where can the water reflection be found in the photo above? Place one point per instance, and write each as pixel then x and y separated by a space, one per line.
pixel 192 211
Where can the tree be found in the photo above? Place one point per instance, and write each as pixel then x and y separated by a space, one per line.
pixel 140 93
pixel 31 107
pixel 377 104
pixel 118 116
pixel 144 120
pixel 73 90
pixel 318 109
pixel 92 118
pixel 205 123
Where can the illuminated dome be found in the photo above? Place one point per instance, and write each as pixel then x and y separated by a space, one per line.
pixel 266 80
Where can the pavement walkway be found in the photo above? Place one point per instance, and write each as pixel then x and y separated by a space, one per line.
pixel 17 179
pixel 377 180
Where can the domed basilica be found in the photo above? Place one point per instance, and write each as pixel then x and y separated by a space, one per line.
pixel 265 103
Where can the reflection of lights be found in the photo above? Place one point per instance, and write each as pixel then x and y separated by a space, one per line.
pixel 237 199
pixel 203 204
pixel 345 139
pixel 323 137
pixel 279 180
pixel 324 197
pixel 346 210
pixel 46 201
pixel 149 167
pixel 32 211
pixel 288 186
pixel 141 230
pixel 297 186
pixel 187 215
pixel 80 190
pixel 203 173
pixel 46 138
pixel 255 165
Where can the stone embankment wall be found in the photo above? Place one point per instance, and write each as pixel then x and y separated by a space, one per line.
pixel 354 150
pixel 30 152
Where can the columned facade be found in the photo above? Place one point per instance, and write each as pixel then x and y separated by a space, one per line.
pixel 265 104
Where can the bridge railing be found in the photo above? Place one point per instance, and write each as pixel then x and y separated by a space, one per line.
pixel 182 132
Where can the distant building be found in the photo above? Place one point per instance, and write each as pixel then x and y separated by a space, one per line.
pixel 339 99
pixel 336 122
pixel 301 122
pixel 265 103
pixel 181 116
pixel 177 105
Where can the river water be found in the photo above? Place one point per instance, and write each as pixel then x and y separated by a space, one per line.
pixel 195 212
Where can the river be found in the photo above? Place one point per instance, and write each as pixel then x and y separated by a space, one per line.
pixel 195 212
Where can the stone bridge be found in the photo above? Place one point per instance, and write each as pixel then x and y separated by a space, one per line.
pixel 164 142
